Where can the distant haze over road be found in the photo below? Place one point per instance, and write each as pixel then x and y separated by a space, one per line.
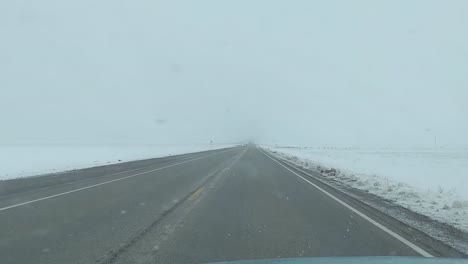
pixel 329 73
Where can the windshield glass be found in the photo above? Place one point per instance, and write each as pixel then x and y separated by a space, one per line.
pixel 151 131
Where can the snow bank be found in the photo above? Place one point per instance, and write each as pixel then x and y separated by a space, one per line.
pixel 23 161
pixel 430 182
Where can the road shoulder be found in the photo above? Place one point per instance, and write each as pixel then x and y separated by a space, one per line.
pixel 402 221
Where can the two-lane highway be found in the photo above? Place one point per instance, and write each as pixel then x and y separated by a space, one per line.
pixel 232 204
pixel 258 209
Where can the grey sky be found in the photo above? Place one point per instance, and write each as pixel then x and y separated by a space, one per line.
pixel 369 73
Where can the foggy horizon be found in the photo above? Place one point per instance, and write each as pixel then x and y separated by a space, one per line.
pixel 334 73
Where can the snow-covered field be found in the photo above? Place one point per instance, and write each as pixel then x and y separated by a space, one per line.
pixel 23 161
pixel 430 182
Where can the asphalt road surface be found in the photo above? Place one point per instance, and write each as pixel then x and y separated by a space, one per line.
pixel 229 204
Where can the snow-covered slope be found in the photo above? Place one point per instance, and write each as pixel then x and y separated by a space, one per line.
pixel 430 182
pixel 23 161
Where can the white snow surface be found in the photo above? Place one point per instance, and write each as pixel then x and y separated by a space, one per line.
pixel 18 161
pixel 432 182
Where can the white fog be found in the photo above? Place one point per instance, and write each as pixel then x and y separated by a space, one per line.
pixel 328 73
pixel 115 114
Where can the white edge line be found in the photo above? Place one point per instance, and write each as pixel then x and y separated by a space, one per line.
pixel 106 182
pixel 372 221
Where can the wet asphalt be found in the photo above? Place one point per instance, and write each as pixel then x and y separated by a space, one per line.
pixel 221 205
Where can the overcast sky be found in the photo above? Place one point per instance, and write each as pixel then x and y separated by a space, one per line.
pixel 343 73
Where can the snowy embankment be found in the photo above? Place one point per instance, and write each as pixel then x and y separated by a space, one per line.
pixel 24 161
pixel 433 183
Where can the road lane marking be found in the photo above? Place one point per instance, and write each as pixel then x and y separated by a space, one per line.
pixel 196 193
pixel 91 179
pixel 106 182
pixel 80 181
pixel 372 221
